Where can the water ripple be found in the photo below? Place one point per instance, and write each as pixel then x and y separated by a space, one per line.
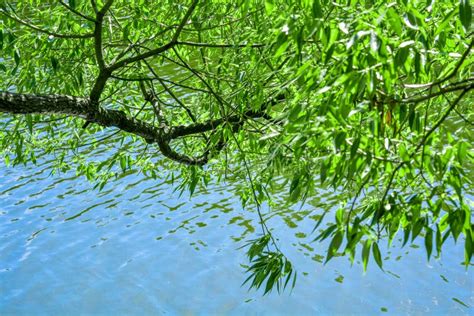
pixel 138 247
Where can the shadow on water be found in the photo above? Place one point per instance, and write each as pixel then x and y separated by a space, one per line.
pixel 138 247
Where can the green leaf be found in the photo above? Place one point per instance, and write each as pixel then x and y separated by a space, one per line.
pixel 377 256
pixel 439 241
pixel 395 21
pixel 54 63
pixel 281 49
pixel 339 140
pixel 460 302
pixel 336 102
pixel 416 229
pixel 462 151
pixel 288 277
pixel 323 173
pixel 325 234
pixel 294 280
pixel 16 56
pixel 445 23
pixel 295 188
pixel 29 123
pixel 429 242
pixel 334 245
pixel 317 11
pixel 355 146
pixel 123 163
pixel 465 13
pixel 269 6
pixel 340 216
pixel 365 253
pixel 271 281
pixel 468 247
pixel 295 112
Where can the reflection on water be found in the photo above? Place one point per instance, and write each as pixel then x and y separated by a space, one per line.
pixel 139 248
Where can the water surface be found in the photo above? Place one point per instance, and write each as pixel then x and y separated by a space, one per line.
pixel 137 247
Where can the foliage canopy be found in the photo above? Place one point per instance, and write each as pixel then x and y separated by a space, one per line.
pixel 369 100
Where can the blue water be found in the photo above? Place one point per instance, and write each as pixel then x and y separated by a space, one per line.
pixel 139 248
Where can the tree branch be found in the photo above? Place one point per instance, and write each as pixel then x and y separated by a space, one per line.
pixel 38 104
pixel 422 142
pixel 449 76
pixel 104 71
pixel 185 130
pixel 38 29
pixel 136 58
pixel 441 91
pixel 98 34
pixel 76 12
pixel 94 6
pixel 458 65
pixel 212 45
pixel 84 108
pixel 161 49
pixel 184 20
pixel 173 83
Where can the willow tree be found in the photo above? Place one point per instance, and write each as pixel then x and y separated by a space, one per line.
pixel 354 97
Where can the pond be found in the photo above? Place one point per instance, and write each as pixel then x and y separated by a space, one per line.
pixel 138 247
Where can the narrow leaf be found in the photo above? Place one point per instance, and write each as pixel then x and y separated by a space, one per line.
pixel 377 256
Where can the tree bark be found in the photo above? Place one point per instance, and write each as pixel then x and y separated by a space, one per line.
pixel 15 103
pixel 84 108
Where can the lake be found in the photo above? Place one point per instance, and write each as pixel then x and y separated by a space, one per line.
pixel 138 247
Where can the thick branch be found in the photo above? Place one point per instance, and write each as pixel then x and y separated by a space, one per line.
pixel 185 130
pixel 99 85
pixel 104 71
pixel 184 21
pixel 85 108
pixel 78 107
pixel 37 104
pixel 98 34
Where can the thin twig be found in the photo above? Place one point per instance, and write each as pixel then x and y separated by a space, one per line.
pixel 36 28
pixel 184 21
pixel 214 45
pixel 76 12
